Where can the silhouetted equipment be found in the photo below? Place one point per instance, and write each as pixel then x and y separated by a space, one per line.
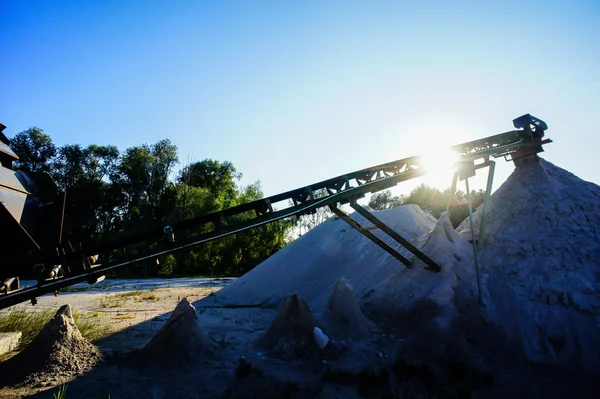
pixel 32 214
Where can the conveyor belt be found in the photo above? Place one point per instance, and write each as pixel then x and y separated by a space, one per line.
pixel 342 189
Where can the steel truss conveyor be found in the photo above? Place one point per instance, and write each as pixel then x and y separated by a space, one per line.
pixel 520 146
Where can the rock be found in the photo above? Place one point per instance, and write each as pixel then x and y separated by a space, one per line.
pixel 320 338
pixel 9 341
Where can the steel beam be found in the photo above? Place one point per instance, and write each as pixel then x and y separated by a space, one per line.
pixel 475 256
pixel 354 224
pixel 486 206
pixel 390 232
pixel 452 197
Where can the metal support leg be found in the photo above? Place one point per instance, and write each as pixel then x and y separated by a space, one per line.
pixel 486 207
pixel 404 242
pixel 339 213
pixel 452 192
pixel 475 256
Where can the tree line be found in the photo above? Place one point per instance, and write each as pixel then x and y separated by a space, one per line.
pixel 113 194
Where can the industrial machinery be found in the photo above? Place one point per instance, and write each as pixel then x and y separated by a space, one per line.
pixel 32 214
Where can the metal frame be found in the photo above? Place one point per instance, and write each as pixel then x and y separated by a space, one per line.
pixel 401 240
pixel 354 224
pixel 478 243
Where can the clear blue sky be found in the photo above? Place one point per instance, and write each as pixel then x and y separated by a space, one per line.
pixel 296 92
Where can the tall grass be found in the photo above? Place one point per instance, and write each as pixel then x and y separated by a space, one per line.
pixel 92 325
pixel 60 394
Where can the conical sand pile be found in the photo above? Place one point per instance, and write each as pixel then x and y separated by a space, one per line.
pixel 294 323
pixel 181 338
pixel 57 353
pixel 311 264
pixel 541 264
pixel 342 317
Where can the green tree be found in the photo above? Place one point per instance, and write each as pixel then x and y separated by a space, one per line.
pixel 430 199
pixel 35 150
pixel 112 195
pixel 219 178
pixel 191 202
pixel 143 176
pixel 92 201
pixel 384 200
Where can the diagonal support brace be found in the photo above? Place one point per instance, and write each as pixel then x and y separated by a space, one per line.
pixel 486 207
pixel 339 213
pixel 401 240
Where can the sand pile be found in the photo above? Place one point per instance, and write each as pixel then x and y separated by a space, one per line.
pixel 313 263
pixel 181 339
pixel 292 328
pixel 541 264
pixel 342 317
pixel 57 353
pixel 540 273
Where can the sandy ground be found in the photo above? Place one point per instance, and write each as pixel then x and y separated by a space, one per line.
pixel 128 306
pixel 136 311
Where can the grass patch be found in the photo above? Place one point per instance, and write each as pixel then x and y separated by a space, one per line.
pixel 148 297
pixel 129 294
pixel 118 300
pixel 60 394
pixel 92 325
pixel 110 302
pixel 29 323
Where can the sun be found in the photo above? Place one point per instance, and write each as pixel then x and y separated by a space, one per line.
pixel 439 164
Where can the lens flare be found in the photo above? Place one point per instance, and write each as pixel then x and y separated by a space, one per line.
pixel 439 164
pixel 439 160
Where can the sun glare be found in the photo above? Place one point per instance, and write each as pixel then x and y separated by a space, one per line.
pixel 439 159
pixel 439 164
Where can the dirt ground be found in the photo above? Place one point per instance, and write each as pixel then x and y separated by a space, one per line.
pixel 137 309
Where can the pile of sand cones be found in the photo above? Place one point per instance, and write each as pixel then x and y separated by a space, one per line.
pixel 296 322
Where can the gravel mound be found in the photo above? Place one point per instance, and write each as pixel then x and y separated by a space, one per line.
pixel 342 317
pixel 292 328
pixel 181 339
pixel 541 264
pixel 57 353
pixel 311 265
